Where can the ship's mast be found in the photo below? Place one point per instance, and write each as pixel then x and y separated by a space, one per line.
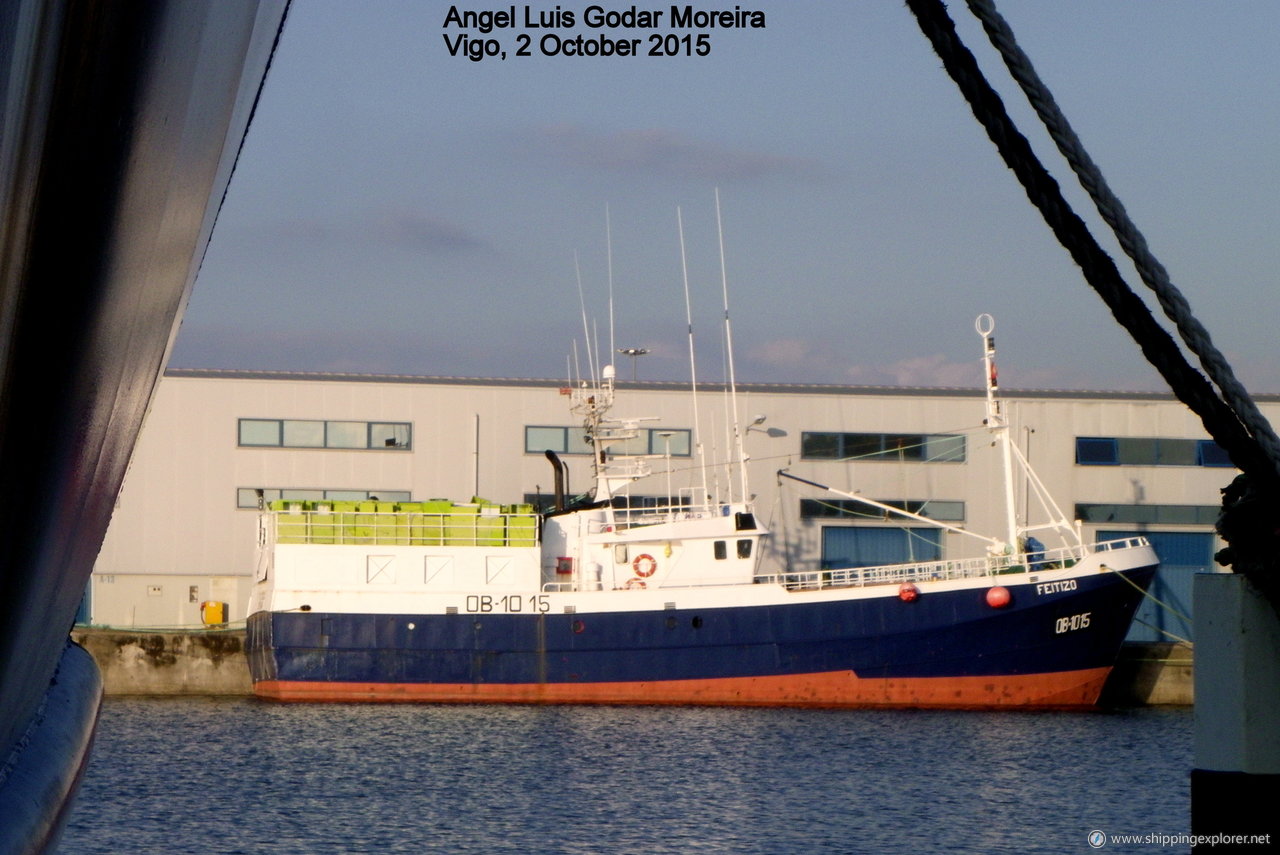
pixel 998 425
pixel 739 444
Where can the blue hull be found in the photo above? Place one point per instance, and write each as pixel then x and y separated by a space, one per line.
pixel 942 636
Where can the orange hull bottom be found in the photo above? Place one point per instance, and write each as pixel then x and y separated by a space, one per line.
pixel 1069 689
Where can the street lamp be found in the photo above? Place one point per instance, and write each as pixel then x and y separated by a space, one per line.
pixel 771 432
pixel 633 352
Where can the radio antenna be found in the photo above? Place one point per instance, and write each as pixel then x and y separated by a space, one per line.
pixel 693 372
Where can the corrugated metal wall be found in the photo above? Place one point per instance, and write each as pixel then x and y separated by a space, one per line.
pixel 1182 555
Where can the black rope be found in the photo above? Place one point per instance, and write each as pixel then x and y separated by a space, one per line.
pixel 1153 274
pixel 1099 269
pixel 1250 503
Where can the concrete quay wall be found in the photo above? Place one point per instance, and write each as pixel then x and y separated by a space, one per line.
pixel 1151 674
pixel 212 662
pixel 180 662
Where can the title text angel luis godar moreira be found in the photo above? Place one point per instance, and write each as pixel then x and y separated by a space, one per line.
pixel 542 31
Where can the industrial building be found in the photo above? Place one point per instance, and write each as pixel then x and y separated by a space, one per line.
pixel 217 442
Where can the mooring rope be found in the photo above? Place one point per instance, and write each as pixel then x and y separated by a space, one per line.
pixel 1112 210
pixel 1250 503
pixel 1099 269
pixel 1186 642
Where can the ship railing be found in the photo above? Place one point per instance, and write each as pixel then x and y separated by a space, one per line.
pixel 458 527
pixel 1123 543
pixel 624 518
pixel 631 467
pixel 926 571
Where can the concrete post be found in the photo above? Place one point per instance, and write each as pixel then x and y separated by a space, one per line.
pixel 1235 786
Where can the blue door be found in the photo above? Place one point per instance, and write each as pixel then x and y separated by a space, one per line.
pixel 867 546
pixel 1182 555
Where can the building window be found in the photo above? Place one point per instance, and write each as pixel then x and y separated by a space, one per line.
pixel 877 546
pixel 1148 451
pixel 1209 453
pixel 1148 514
pixel 346 435
pixel 828 508
pixel 1097 451
pixel 247 497
pixel 389 435
pixel 539 439
pixel 300 434
pixel 924 448
pixel 264 432
pixel 313 433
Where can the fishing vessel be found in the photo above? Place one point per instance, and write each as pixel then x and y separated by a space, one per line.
pixel 600 601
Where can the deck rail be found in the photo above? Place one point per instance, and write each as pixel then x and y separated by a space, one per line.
pixel 965 568
pixel 623 519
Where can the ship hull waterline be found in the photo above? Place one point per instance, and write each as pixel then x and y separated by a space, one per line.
pixel 949 649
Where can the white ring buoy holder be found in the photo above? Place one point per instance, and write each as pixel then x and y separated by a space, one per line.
pixel 645 565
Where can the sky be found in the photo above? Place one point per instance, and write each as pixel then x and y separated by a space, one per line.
pixel 397 209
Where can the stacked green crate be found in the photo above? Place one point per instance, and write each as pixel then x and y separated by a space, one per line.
pixel 491 527
pixel 361 529
pixel 409 522
pixel 430 523
pixel 344 521
pixel 522 526
pixel 460 525
pixel 323 528
pixel 431 529
pixel 291 521
pixel 386 525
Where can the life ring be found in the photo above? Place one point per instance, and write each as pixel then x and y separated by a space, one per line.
pixel 635 583
pixel 645 565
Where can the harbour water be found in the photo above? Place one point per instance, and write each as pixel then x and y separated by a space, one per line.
pixel 235 775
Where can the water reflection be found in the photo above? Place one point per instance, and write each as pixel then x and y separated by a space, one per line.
pixel 245 776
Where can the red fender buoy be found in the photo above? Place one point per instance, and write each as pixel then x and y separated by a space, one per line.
pixel 999 597
pixel 908 592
